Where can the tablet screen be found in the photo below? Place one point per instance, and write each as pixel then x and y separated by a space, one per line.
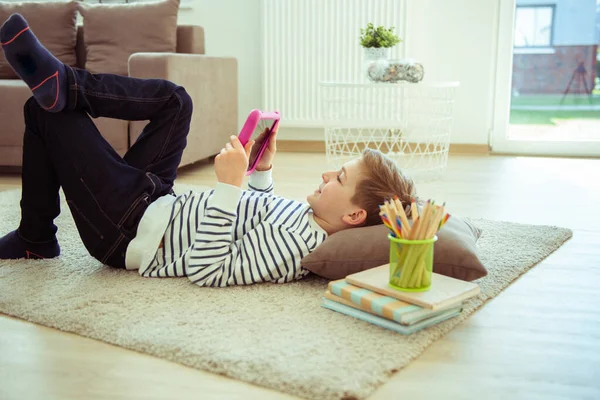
pixel 261 136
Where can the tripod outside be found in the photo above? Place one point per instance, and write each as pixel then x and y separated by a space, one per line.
pixel 579 77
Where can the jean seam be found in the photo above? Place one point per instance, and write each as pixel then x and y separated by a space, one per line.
pixel 175 120
pixel 127 98
pixel 153 184
pixel 86 219
pixel 96 201
pixel 113 247
pixel 130 209
pixel 76 87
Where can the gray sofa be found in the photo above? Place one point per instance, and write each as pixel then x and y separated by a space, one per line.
pixel 211 82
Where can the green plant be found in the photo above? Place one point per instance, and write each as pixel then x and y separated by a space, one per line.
pixel 378 37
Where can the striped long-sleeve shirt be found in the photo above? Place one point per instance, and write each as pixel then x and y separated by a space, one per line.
pixel 229 236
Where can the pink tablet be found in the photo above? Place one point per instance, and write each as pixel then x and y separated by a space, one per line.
pixel 257 123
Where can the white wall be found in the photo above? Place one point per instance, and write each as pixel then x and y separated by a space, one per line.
pixel 232 28
pixel 454 39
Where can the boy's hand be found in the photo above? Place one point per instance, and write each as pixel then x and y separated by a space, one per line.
pixel 267 158
pixel 232 162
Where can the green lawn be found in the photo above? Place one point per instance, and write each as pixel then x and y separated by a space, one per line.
pixel 524 117
pixel 553 100
pixel 527 117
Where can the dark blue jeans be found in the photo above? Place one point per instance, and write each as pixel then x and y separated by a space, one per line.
pixel 106 193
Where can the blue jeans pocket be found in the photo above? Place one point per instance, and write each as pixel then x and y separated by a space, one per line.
pixel 130 221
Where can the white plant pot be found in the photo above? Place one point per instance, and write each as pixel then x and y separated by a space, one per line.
pixel 377 53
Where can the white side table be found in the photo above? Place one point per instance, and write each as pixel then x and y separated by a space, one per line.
pixel 410 123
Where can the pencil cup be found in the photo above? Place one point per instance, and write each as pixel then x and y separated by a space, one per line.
pixel 411 264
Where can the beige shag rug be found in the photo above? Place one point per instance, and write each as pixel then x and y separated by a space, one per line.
pixel 276 336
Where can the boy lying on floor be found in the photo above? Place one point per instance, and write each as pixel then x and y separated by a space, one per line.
pixel 125 209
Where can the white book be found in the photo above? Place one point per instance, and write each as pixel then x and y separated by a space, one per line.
pixel 444 291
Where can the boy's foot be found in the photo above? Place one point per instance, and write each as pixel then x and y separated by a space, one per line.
pixel 45 75
pixel 13 246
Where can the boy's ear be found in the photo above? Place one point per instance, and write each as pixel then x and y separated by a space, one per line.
pixel 357 218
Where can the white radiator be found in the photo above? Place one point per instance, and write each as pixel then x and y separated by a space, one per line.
pixel 308 41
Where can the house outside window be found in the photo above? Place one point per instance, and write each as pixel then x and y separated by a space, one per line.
pixel 534 26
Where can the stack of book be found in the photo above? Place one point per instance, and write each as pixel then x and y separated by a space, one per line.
pixel 367 296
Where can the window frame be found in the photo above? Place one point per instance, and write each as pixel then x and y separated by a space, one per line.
pixel 552 7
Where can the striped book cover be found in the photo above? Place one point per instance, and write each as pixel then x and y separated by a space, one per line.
pixel 387 307
pixel 385 323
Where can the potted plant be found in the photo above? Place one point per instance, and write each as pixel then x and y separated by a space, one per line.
pixel 377 41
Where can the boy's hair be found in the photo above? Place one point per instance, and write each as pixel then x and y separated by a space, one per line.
pixel 381 181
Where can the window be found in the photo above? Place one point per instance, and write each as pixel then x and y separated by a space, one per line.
pixel 534 26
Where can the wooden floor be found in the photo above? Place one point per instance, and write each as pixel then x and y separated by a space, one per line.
pixel 539 339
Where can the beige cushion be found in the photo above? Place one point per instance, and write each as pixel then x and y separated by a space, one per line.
pixel 52 22
pixel 13 95
pixel 354 250
pixel 114 32
pixel 115 131
pixel 11 156
pixel 190 39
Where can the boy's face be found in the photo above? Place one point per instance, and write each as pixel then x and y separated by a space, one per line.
pixel 331 199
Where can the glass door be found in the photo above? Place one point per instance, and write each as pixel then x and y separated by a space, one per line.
pixel 547 99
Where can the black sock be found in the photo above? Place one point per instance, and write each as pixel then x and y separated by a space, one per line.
pixel 45 75
pixel 13 246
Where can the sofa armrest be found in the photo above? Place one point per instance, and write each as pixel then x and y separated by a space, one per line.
pixel 190 39
pixel 211 82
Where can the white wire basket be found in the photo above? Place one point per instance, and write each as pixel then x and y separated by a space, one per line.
pixel 410 123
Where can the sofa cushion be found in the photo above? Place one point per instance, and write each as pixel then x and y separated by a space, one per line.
pixel 52 22
pixel 13 95
pixel 357 249
pixel 114 32
pixel 115 131
pixel 11 156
